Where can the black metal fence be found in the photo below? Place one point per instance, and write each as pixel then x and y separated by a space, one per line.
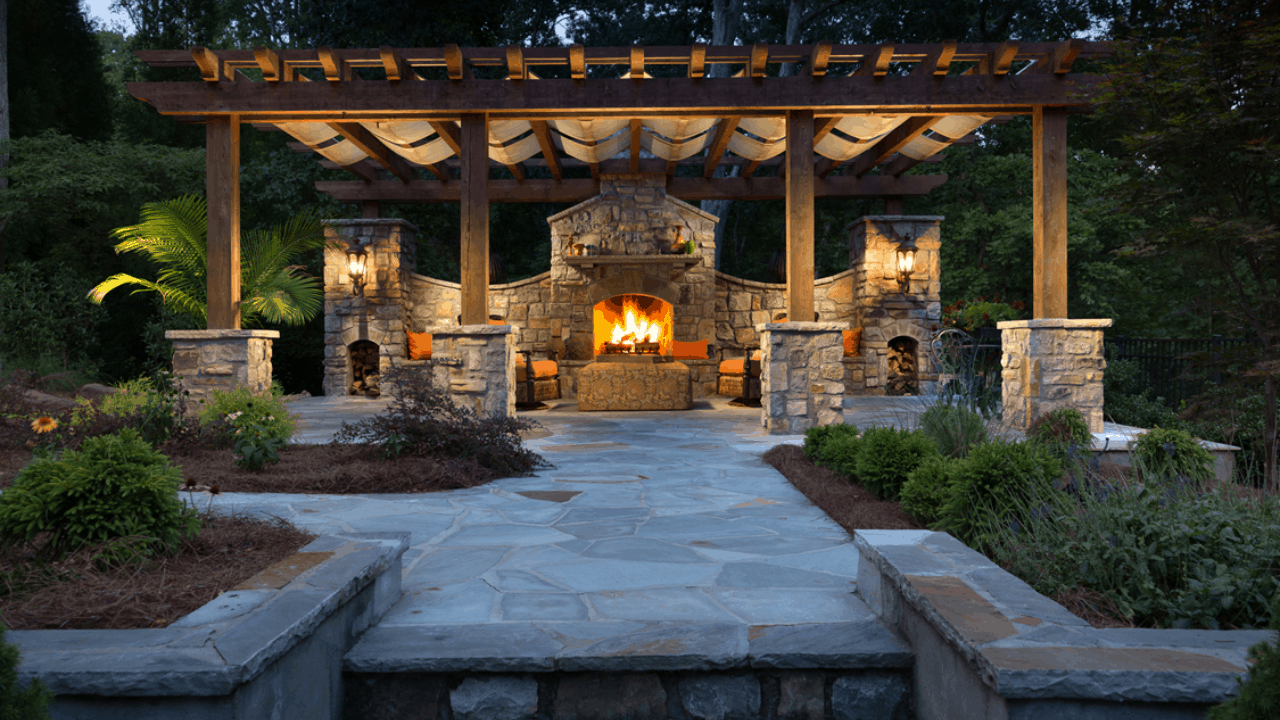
pixel 1176 369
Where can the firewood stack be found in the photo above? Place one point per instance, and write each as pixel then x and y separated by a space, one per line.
pixel 364 371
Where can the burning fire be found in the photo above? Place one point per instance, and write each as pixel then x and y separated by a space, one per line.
pixel 636 319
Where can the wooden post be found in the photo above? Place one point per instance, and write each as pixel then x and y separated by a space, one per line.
pixel 222 188
pixel 370 210
pixel 799 182
pixel 893 205
pixel 1049 214
pixel 475 220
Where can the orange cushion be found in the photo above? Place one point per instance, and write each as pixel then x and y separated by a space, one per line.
pixel 541 369
pixel 419 346
pixel 853 342
pixel 497 322
pixel 696 350
pixel 732 367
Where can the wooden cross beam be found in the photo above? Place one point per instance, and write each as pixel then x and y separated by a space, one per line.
pixel 548 148
pixel 373 147
pixel 718 146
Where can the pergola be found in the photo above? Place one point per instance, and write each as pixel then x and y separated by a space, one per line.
pixel 418 125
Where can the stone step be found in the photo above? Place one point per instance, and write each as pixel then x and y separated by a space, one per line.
pixel 581 670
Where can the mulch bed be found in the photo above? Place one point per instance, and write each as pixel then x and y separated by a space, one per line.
pixel 853 507
pixel 74 594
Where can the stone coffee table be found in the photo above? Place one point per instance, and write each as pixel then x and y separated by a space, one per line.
pixel 634 382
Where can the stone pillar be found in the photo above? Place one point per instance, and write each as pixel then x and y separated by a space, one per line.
pixel 802 377
pixel 379 314
pixel 1052 363
pixel 884 311
pixel 209 360
pixel 477 364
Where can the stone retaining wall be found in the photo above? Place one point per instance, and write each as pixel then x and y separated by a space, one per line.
pixel 790 694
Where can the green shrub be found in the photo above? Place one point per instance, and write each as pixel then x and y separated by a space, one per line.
pixel 1260 694
pixel 929 487
pixel 1128 401
pixel 1061 432
pixel 424 421
pixel 887 456
pixel 841 456
pixel 155 406
pixel 30 703
pixel 114 486
pixel 953 429
pixel 1231 416
pixel 267 412
pixel 818 437
pixel 1172 455
pixel 992 484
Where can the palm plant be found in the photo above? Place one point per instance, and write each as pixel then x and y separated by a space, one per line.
pixel 173 234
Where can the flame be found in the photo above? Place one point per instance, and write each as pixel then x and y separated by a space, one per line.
pixel 630 319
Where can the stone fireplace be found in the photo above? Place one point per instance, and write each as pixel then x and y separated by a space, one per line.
pixel 619 248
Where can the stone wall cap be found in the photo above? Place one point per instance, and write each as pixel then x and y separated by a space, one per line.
pixel 900 218
pixel 362 222
pixel 220 334
pixel 474 330
pixel 1054 323
pixel 802 327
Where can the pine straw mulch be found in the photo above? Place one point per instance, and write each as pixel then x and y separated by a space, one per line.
pixel 313 469
pixel 74 594
pixel 853 507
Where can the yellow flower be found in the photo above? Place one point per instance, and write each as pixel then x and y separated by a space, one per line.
pixel 44 424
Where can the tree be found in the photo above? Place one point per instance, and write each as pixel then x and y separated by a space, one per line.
pixel 1201 109
pixel 173 234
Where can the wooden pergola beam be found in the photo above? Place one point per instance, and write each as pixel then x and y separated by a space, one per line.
pixel 373 147
pixel 515 62
pixel 698 60
pixel 574 190
pixel 336 70
pixel 721 142
pixel 543 135
pixel 820 58
pixel 938 62
pixel 876 64
pixel 759 60
pixel 657 97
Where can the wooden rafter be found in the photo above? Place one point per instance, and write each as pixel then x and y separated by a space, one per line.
pixel 876 64
pixel 335 68
pixel 888 145
pixel 822 127
pixel 759 60
pixel 635 146
pixel 938 61
pixel 1059 60
pixel 577 62
pixel 395 66
pixel 273 68
pixel 212 67
pixel 637 62
pixel 453 61
pixel 820 58
pixel 698 60
pixel 374 148
pixel 718 145
pixel 543 135
pixel 515 62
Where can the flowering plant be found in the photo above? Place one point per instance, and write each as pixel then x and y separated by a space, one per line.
pixel 255 445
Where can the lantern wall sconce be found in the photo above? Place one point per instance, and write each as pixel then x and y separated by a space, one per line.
pixel 906 263
pixel 357 267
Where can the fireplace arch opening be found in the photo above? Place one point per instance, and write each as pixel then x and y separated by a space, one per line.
pixel 632 323
pixel 902 366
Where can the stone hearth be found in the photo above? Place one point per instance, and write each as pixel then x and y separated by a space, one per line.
pixel 636 383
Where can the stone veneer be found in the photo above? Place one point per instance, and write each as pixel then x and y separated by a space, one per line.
pixel 477 364
pixel 209 360
pixel 1049 364
pixel 801 376
pixel 884 312
pixel 378 315
pixel 634 386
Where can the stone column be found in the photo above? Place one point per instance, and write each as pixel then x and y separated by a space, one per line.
pixel 209 360
pixel 477 364
pixel 802 377
pixel 1052 363
pixel 379 313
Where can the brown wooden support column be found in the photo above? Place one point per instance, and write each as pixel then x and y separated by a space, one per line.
pixel 799 182
pixel 370 210
pixel 1049 214
pixel 222 189
pixel 475 219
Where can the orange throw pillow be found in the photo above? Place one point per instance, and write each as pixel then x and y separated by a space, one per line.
pixel 695 350
pixel 853 342
pixel 419 346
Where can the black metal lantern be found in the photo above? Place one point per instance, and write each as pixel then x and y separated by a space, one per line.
pixel 906 263
pixel 357 265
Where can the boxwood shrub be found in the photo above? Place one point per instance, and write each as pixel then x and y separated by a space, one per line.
pixel 887 456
